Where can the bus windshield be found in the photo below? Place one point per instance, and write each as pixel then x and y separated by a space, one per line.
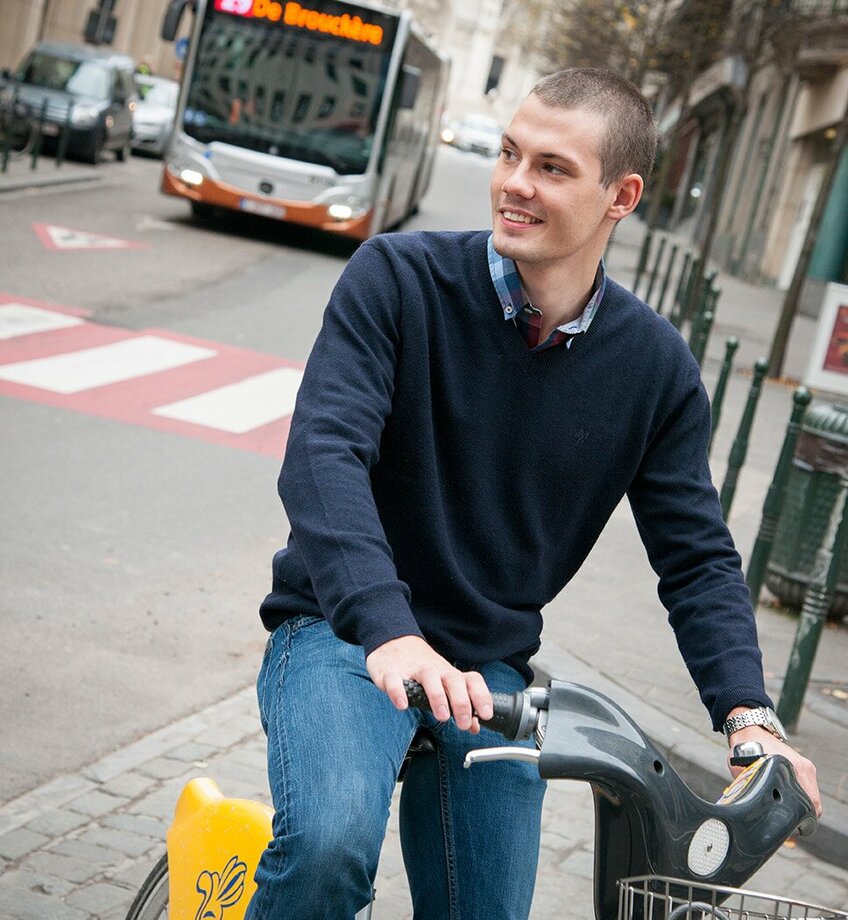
pixel 287 87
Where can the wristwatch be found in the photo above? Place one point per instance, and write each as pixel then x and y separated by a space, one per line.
pixel 763 716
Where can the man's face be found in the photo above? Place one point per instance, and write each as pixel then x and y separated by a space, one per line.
pixel 548 203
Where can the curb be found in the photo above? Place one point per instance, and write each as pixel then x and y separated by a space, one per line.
pixel 34 180
pixel 697 758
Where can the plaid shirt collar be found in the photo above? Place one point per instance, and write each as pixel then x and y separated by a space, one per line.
pixel 516 304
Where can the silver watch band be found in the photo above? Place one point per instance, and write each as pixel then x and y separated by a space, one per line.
pixel 760 716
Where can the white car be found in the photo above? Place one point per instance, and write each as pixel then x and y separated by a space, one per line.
pixel 154 115
pixel 480 134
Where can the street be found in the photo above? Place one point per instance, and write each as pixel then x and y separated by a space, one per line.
pixel 130 595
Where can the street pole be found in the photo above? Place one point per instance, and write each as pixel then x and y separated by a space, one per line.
pixel 777 355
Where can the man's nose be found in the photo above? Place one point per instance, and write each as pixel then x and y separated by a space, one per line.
pixel 518 183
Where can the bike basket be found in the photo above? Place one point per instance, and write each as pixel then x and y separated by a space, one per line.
pixel 654 897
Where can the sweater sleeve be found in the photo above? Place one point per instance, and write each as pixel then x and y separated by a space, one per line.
pixel 342 405
pixel 679 518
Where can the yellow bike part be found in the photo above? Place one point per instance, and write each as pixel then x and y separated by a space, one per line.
pixel 214 845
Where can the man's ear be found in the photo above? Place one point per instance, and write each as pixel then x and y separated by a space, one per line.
pixel 628 194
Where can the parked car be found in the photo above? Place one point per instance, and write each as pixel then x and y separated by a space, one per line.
pixel 153 118
pixel 89 89
pixel 479 133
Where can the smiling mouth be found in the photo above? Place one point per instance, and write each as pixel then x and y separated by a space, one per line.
pixel 517 218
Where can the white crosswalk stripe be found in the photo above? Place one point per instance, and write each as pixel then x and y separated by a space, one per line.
pixel 240 407
pixel 88 368
pixel 18 319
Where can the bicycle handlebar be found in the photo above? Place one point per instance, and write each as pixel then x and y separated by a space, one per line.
pixel 514 716
pixel 648 821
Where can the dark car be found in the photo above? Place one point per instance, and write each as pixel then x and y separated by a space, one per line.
pixel 87 88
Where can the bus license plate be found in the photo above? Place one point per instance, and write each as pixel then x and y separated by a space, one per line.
pixel 49 130
pixel 263 208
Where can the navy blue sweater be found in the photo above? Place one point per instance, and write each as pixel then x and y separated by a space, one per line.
pixel 441 480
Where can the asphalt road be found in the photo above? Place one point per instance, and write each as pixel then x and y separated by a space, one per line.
pixel 132 559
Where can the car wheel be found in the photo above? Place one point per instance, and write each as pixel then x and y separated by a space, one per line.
pixel 95 147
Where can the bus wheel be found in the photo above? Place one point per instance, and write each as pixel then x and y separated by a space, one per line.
pixel 202 212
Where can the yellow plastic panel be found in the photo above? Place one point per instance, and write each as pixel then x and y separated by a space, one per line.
pixel 214 845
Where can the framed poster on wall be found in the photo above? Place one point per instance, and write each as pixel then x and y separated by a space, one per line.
pixel 827 368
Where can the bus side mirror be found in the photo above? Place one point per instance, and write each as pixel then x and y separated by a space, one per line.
pixel 410 81
pixel 173 15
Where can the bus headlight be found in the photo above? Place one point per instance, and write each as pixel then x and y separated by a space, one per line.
pixel 348 208
pixel 191 176
pixel 186 171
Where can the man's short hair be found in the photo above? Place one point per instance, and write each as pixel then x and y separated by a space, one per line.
pixel 629 142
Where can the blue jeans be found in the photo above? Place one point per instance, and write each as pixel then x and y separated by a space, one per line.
pixel 470 838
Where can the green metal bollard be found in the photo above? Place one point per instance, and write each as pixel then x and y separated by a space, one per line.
pixel 775 496
pixel 703 306
pixel 702 337
pixel 740 444
pixel 64 134
pixel 643 259
pixel 817 601
pixel 655 270
pixel 668 270
pixel 730 347
pixel 37 128
pixel 682 284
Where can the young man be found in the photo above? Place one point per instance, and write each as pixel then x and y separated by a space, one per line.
pixel 475 407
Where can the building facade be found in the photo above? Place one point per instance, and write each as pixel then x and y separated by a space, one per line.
pixel 794 100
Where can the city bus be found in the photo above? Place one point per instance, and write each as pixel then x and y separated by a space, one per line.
pixel 321 113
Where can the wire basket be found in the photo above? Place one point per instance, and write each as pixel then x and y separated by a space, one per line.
pixel 654 897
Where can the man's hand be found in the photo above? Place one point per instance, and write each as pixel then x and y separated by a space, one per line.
pixel 448 689
pixel 804 769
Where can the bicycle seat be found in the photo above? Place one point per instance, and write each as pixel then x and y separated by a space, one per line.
pixel 647 821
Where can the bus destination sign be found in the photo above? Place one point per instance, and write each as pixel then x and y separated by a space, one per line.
pixel 348 26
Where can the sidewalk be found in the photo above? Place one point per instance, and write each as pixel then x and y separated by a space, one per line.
pixel 80 846
pixel 20 175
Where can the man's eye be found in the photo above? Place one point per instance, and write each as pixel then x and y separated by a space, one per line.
pixel 507 154
pixel 554 170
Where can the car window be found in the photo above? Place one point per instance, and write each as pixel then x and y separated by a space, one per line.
pixel 80 78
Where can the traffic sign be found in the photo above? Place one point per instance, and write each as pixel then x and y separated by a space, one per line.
pixel 66 238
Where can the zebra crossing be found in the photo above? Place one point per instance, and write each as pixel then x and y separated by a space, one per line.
pixel 218 393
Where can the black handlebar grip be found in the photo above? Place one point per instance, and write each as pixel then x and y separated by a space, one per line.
pixel 507 708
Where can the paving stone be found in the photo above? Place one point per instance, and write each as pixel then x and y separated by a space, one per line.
pixel 35 881
pixel 97 803
pixel 99 898
pixel 88 852
pixel 142 825
pixel 67 867
pixel 222 737
pixel 131 785
pixel 124 841
pixel 132 876
pixel 21 904
pixel 164 768
pixel 57 823
pixel 20 842
pixel 192 752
